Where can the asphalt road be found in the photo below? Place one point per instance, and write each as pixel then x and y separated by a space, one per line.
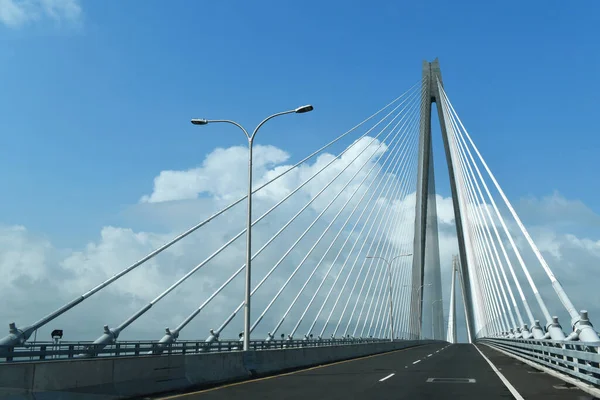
pixel 426 372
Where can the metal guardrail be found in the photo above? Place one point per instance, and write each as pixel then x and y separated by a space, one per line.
pixel 576 359
pixel 50 351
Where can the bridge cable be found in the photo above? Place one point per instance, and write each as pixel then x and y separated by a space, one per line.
pixel 356 241
pixel 403 276
pixel 388 220
pixel 377 290
pixel 341 250
pixel 490 218
pixel 505 230
pixel 358 257
pixel 406 267
pixel 368 290
pixel 310 202
pixel 127 322
pixel 400 230
pixel 402 318
pixel 501 219
pixel 383 292
pixel 471 179
pixel 402 296
pixel 392 151
pixel 482 249
pixel 384 217
pixel 387 227
pixel 484 252
pixel 197 311
pixel 487 263
pixel 488 299
pixel 330 224
pixel 386 188
pixel 582 328
pixel 490 266
pixel 381 305
pixel 337 256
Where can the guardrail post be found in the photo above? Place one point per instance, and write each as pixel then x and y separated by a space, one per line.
pixel 42 352
pixel 9 356
pixel 596 364
pixel 576 361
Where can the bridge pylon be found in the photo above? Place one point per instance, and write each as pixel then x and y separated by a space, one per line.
pixel 426 255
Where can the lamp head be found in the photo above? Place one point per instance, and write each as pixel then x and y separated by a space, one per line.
pixel 304 109
pixel 199 121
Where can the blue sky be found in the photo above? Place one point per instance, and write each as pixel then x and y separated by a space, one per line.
pixel 96 98
pixel 91 110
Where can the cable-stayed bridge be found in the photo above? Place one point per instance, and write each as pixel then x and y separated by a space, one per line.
pixel 334 257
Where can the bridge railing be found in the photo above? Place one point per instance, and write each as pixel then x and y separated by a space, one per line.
pixel 575 359
pixel 50 351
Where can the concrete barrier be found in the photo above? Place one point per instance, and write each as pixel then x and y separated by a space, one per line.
pixel 122 377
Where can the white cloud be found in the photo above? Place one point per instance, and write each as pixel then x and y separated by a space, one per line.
pixel 12 13
pixel 15 13
pixel 38 277
pixel 222 175
pixel 23 255
pixel 61 275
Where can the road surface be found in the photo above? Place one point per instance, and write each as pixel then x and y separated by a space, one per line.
pixel 445 371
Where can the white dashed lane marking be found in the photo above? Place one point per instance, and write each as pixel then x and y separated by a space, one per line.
pixel 387 377
pixel 425 358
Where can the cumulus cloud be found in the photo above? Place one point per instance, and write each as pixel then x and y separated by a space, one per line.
pixel 39 277
pixel 221 175
pixel 23 255
pixel 15 13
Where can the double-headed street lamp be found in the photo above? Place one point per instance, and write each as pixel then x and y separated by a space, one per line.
pixel 420 287
pixel 389 264
pixel 299 110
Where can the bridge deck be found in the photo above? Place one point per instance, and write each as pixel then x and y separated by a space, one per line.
pixel 372 378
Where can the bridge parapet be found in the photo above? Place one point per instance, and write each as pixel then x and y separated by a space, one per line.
pixel 575 359
pixel 136 376
pixel 50 351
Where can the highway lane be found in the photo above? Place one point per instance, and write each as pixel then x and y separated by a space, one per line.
pixel 458 372
pixel 426 372
pixel 333 381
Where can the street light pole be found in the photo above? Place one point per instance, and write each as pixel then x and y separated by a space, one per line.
pixel 389 266
pixel 432 332
pixel 421 301
pixel 299 110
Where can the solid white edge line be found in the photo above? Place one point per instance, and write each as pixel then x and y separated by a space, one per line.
pixel 510 387
pixel 581 385
pixel 418 361
pixel 387 377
